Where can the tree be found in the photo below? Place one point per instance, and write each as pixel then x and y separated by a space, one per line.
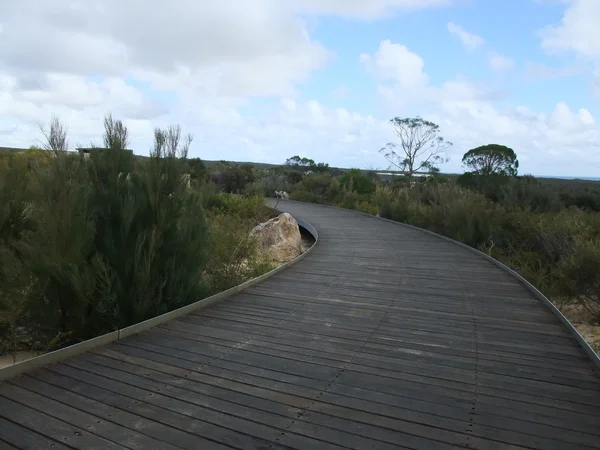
pixel 320 167
pixel 420 148
pixel 492 159
pixel 198 170
pixel 298 162
pixel 305 164
pixel 56 137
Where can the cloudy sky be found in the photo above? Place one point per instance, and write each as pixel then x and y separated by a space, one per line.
pixel 263 80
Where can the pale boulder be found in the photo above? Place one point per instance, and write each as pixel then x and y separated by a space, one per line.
pixel 279 238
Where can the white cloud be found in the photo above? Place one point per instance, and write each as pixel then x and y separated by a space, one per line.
pixel 403 80
pixel 596 83
pixel 261 48
pixel 500 63
pixel 257 47
pixel 398 69
pixel 361 9
pixel 469 41
pixel 341 91
pixel 535 71
pixel 577 33
pixel 578 30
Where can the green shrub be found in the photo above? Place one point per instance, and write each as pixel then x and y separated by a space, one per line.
pixel 579 275
pixel 355 181
pixel 304 195
pixel 91 245
pixel 277 180
pixel 366 207
pixel 234 255
pixel 255 189
pixel 528 193
pixel 232 178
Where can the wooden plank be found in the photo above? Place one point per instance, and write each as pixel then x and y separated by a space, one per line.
pixel 227 413
pixel 82 419
pixel 65 389
pixel 416 386
pixel 492 371
pixel 52 428
pixel 289 405
pixel 432 411
pixel 13 435
pixel 178 428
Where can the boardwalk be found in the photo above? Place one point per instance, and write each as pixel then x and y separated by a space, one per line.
pixel 382 338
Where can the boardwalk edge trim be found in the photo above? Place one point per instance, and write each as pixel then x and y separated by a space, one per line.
pixel 59 355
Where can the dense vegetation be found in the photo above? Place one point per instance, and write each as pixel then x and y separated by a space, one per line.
pixel 89 245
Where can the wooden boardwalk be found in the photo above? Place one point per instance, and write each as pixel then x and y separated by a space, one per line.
pixel 382 338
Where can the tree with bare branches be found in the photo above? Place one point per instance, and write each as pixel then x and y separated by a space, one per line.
pixel 420 148
pixel 55 137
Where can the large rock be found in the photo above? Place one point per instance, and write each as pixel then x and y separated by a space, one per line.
pixel 279 238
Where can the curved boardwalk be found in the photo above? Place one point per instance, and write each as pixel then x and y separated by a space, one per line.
pixel 382 338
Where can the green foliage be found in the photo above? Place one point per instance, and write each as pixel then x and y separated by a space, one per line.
pixel 89 245
pixel 112 247
pixel 313 188
pixel 232 178
pixel 580 276
pixel 14 277
pixel 234 255
pixel 528 193
pixel 279 179
pixel 197 170
pixel 492 159
pixel 297 163
pixel 491 186
pixel 354 180
pixel 586 196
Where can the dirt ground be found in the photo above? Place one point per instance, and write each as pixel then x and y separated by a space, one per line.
pixel 579 317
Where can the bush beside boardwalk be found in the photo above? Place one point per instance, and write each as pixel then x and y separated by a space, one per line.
pixel 89 245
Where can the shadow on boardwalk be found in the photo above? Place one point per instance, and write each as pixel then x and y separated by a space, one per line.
pixel 382 338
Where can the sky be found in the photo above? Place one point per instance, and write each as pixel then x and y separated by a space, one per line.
pixel 264 80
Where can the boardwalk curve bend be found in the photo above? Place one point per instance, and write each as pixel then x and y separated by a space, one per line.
pixel 384 337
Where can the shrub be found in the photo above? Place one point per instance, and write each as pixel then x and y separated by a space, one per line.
pixel 304 195
pixel 232 178
pixel 314 188
pixel 234 255
pixel 14 276
pixel 354 180
pixel 527 193
pixel 255 189
pixel 101 246
pixel 579 274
